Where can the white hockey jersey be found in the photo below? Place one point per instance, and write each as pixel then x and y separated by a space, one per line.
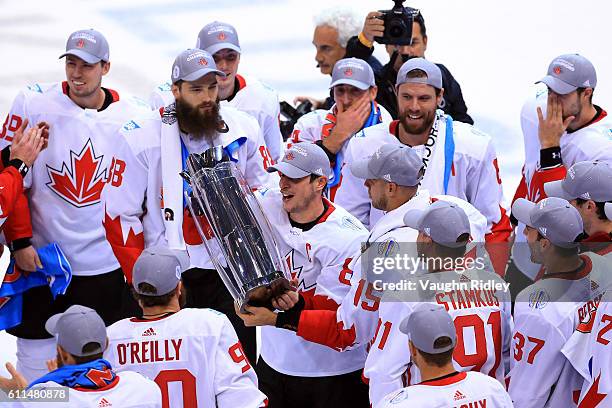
pixel 318 124
pixel 482 319
pixel 66 181
pixel 145 209
pixel 318 258
pixel 546 314
pixel 461 390
pixel 590 353
pixel 253 97
pixel 193 355
pixel 471 173
pixel 130 390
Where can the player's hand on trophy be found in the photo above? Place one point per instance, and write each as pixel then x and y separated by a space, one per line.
pixel 551 128
pixel 288 299
pixel 256 316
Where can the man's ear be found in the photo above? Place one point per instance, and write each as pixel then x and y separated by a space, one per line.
pixel 106 67
pixel 440 97
pixel 373 92
pixel 176 91
pixel 107 343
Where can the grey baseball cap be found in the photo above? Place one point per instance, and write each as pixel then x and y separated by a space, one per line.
pixel 160 267
pixel 427 323
pixel 393 163
pixel 192 64
pixel 568 72
pixel 89 45
pixel 216 36
pixel 555 218
pixel 76 327
pixel 589 180
pixel 301 160
pixel 353 71
pixel 434 75
pixel 608 209
pixel 443 221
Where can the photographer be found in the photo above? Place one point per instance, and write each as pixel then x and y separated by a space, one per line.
pixel 362 47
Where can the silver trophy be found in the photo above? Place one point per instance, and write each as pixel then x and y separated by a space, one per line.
pixel 236 233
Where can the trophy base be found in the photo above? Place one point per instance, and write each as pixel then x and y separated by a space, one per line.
pixel 261 295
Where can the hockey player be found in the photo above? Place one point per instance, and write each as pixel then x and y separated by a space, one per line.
pixel 459 160
pixel 433 341
pixel 155 153
pixel 23 151
pixel 64 188
pixel 355 109
pixel 588 186
pixel 317 239
pixel 197 348
pixel 561 126
pixel 92 382
pixel 481 313
pixel 545 312
pixel 244 93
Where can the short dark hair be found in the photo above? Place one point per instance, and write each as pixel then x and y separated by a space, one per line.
pixel 419 73
pixel 601 207
pixel 88 348
pixel 439 359
pixel 581 90
pixel 421 21
pixel 454 253
pixel 563 252
pixel 153 299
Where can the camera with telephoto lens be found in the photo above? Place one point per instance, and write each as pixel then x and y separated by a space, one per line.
pixel 398 24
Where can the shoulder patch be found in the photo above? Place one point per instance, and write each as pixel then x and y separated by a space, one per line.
pixel 35 88
pixel 388 247
pixel 348 223
pixel 165 87
pixel 399 397
pixel 131 125
pixel 538 299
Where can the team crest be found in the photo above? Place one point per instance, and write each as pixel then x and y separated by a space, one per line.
pixel 557 70
pixel 80 43
pixel 538 299
pixel 221 36
pixel 348 72
pixel 81 182
pixel 203 61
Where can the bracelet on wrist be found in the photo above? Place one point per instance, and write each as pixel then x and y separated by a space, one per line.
pixel 362 39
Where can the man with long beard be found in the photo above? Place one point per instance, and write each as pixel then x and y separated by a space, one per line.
pixel 459 160
pixel 155 153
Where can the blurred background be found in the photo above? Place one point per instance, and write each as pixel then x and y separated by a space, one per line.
pixel 495 50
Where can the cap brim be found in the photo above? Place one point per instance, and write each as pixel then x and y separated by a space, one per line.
pixel 521 210
pixel 555 189
pixel 194 76
pixel 403 327
pixel 413 218
pixel 557 85
pixel 288 170
pixel 51 324
pixel 357 84
pixel 85 56
pixel 360 169
pixel 608 210
pixel 215 48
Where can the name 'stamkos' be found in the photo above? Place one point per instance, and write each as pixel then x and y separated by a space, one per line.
pixel 151 351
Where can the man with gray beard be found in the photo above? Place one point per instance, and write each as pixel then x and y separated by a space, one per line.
pixel 148 206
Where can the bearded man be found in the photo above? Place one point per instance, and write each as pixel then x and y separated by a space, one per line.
pixel 155 152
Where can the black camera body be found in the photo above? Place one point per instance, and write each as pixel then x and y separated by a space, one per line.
pixel 292 115
pixel 398 24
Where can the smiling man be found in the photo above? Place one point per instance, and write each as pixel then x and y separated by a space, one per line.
pixel 242 92
pixel 155 152
pixel 318 240
pixel 459 160
pixel 64 188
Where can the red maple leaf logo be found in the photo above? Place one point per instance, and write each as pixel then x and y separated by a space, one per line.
pixel 348 72
pixel 81 184
pixel 203 61
pixel 221 36
pixel 80 43
pixel 127 247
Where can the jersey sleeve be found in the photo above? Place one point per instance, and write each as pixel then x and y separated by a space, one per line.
pixel 352 195
pixel 536 354
pixel 235 381
pixel 484 191
pixel 11 188
pixel 258 159
pixel 272 133
pixel 132 202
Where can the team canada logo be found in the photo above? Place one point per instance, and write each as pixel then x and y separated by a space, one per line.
pixel 348 72
pixel 80 43
pixel 557 70
pixel 221 36
pixel 203 61
pixel 80 183
pixel 289 156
